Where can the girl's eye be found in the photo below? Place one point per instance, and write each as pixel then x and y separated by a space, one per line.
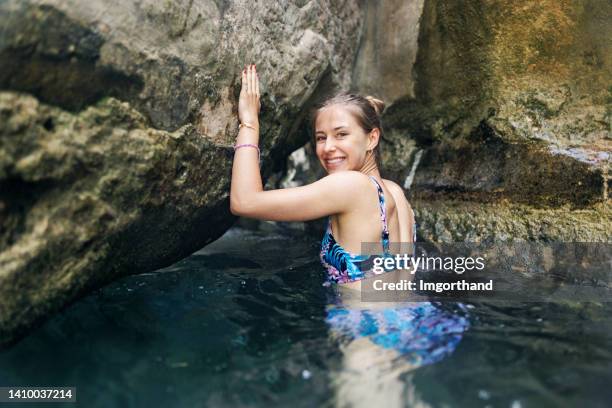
pixel 341 134
pixel 320 138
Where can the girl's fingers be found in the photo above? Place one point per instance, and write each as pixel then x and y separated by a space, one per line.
pixel 249 79
pixel 244 80
pixel 256 84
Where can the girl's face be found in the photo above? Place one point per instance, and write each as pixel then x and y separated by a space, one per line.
pixel 341 144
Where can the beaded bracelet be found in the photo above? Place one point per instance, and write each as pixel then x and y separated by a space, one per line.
pixel 236 147
pixel 247 125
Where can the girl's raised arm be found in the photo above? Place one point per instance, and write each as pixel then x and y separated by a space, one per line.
pixel 330 195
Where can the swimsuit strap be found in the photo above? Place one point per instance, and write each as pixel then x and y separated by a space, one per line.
pixel 383 215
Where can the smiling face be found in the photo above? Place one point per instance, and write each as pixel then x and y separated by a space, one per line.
pixel 341 143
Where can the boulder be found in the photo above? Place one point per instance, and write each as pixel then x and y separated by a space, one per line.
pixel 510 107
pixel 117 120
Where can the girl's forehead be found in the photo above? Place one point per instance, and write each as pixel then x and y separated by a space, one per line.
pixel 335 116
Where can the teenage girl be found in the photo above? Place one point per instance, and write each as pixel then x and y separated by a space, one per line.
pixel 362 207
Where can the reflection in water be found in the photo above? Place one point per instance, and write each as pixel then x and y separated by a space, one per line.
pixel 420 332
pixel 378 345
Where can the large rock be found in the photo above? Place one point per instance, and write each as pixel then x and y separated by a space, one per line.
pixel 512 99
pixel 498 119
pixel 451 221
pixel 88 197
pixel 116 125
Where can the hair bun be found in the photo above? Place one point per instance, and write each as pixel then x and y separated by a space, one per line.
pixel 377 104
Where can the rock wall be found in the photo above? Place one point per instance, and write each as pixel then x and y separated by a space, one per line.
pixel 117 119
pixel 512 108
pixel 388 49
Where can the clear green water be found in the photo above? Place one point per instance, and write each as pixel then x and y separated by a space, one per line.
pixel 242 323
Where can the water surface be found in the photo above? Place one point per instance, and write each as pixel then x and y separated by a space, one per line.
pixel 242 323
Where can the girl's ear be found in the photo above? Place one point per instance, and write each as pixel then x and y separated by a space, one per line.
pixel 373 138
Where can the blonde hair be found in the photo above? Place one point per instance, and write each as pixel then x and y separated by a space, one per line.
pixel 368 113
pixel 377 104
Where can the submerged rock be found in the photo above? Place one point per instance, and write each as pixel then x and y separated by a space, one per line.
pixel 117 120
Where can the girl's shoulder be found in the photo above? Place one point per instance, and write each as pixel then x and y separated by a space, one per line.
pixel 348 178
pixel 395 189
pixel 405 213
pixel 398 195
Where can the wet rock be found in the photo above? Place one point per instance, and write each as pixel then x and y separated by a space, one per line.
pixel 483 167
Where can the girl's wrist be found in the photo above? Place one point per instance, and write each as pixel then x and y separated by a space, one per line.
pixel 254 125
pixel 254 121
pixel 247 134
pixel 241 145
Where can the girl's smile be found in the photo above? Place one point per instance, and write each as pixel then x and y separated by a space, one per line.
pixel 335 162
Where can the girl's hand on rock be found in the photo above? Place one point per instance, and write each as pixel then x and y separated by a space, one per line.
pixel 248 104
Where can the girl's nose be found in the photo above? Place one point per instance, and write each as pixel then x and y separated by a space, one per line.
pixel 329 144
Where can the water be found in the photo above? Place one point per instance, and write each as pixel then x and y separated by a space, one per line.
pixel 242 323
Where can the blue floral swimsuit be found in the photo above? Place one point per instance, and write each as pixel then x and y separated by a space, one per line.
pixel 420 331
pixel 341 265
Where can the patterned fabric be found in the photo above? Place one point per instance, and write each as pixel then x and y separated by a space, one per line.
pixel 343 266
pixel 420 332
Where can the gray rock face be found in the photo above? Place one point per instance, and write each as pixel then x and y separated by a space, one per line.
pixel 116 125
pixel 388 49
pixel 176 62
